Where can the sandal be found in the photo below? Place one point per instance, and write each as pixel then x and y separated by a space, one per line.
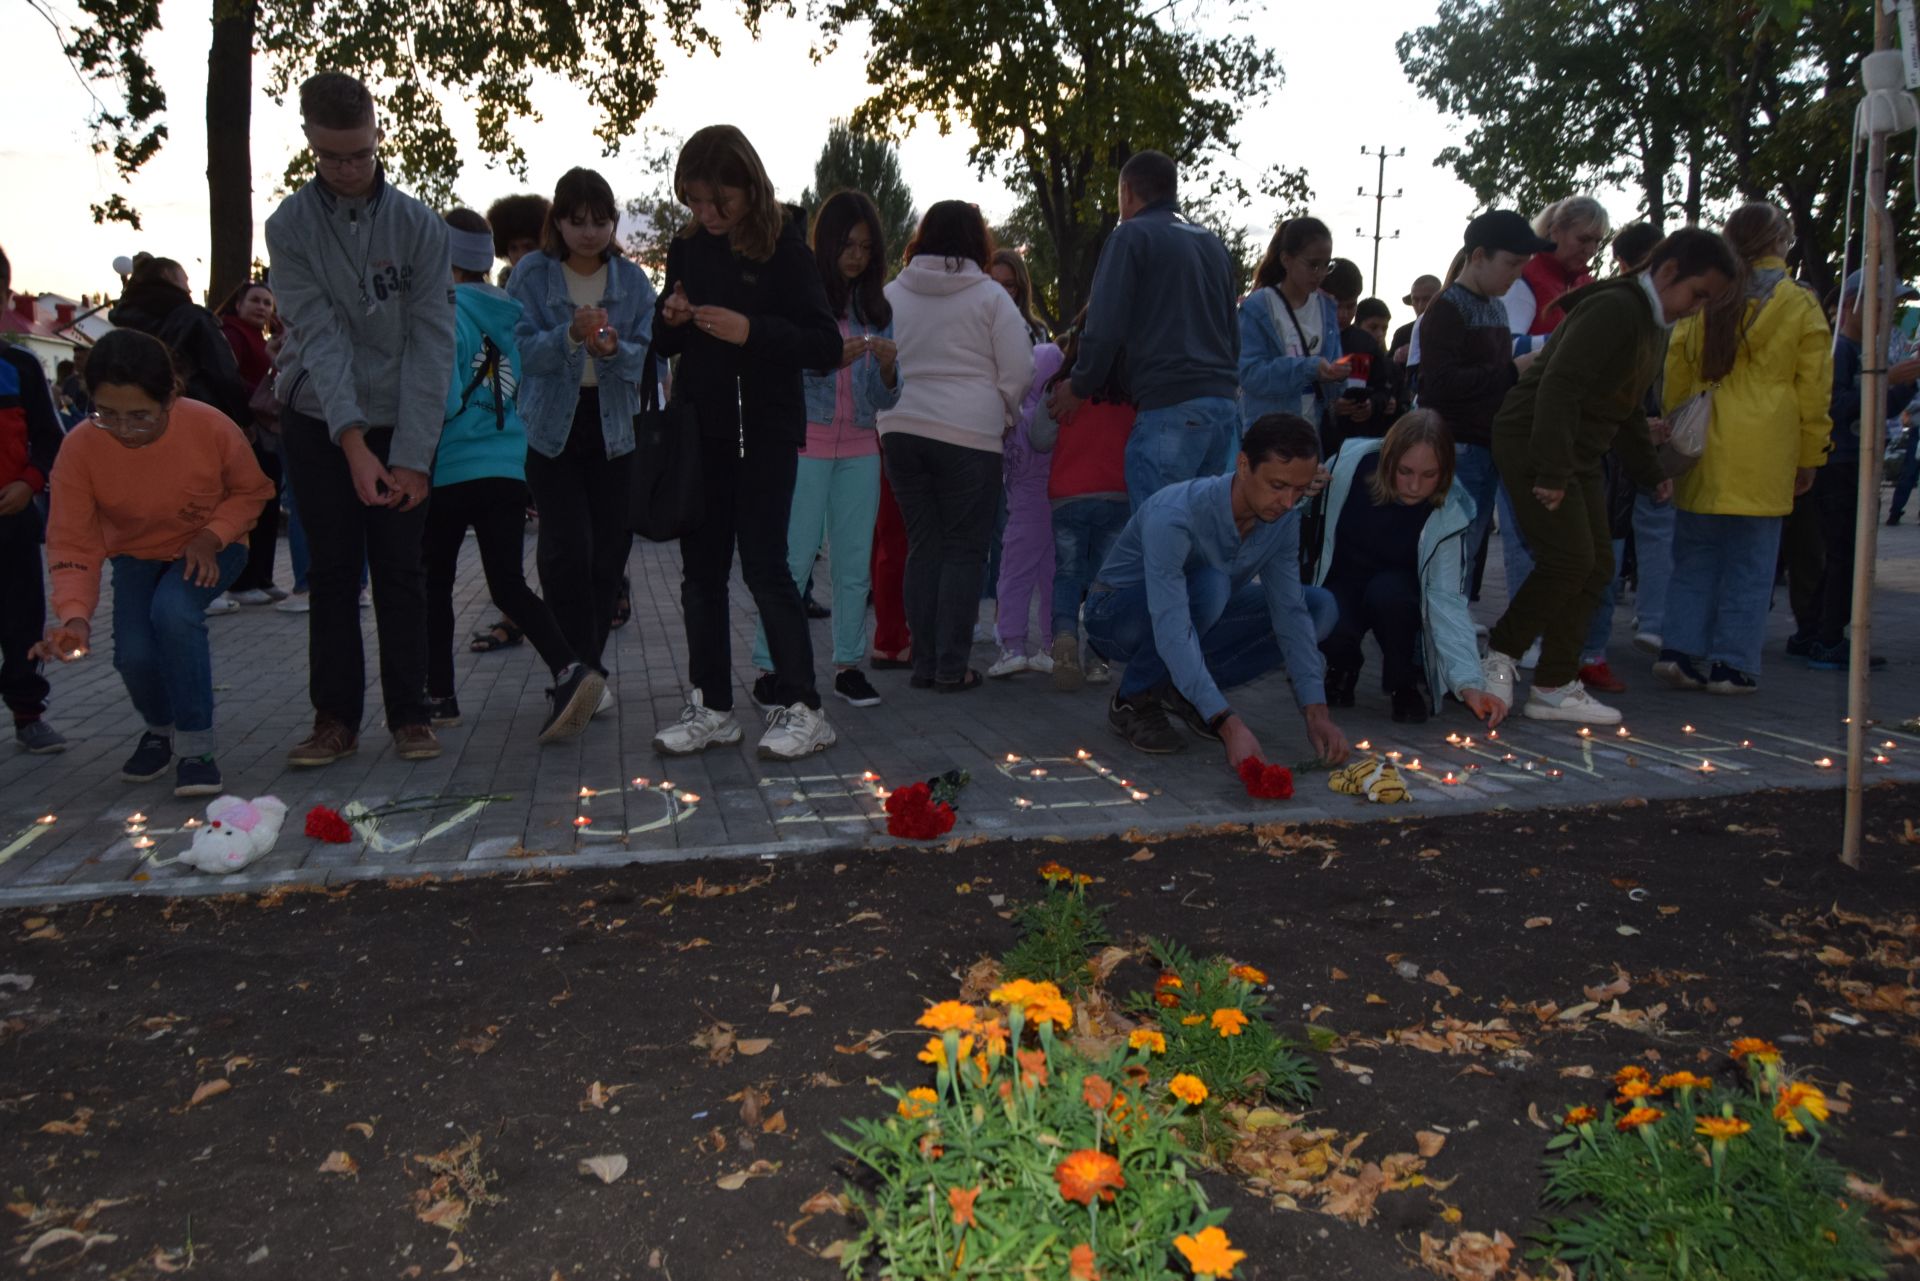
pixel 502 635
pixel 971 681
pixel 623 607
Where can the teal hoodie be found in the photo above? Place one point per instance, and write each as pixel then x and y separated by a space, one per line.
pixel 483 437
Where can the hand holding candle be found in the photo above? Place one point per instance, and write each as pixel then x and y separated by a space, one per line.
pixel 64 641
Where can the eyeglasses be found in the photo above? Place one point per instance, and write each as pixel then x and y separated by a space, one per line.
pixel 141 420
pixel 345 160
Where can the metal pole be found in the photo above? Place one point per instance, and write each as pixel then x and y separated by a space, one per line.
pixel 1874 317
pixel 1379 204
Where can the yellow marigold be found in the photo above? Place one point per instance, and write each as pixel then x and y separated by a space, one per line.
pixel 1229 1022
pixel 936 1051
pixel 1248 974
pixel 1209 1254
pixel 1188 1089
pixel 1721 1128
pixel 1168 980
pixel 1752 1046
pixel 957 1015
pixel 1685 1081
pixel 1014 992
pixel 1055 872
pixel 1797 1097
pixel 1638 1117
pixel 1631 1072
pixel 1054 1010
pixel 1081 878
pixel 1193 1020
pixel 1087 1174
pixel 1636 1089
pixel 918 1104
pixel 1142 1038
pixel 1579 1117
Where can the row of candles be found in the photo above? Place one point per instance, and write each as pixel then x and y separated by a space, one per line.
pixel 639 785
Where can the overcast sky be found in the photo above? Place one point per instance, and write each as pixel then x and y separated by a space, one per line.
pixel 1343 90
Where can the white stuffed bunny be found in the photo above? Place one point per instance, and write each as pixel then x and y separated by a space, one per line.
pixel 236 833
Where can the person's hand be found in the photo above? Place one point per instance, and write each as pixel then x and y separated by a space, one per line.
pixel 1333 370
pixel 1401 353
pixel 852 349
pixel 604 342
pixel 64 641
pixel 1521 362
pixel 1061 402
pixel 676 310
pixel 412 487
pixel 1321 479
pixel 200 561
pixel 1659 430
pixel 586 322
pixel 1239 740
pixel 372 483
pixel 727 326
pixel 886 351
pixel 14 498
pixel 1485 706
pixel 1551 498
pixel 1362 409
pixel 1803 479
pixel 1328 742
pixel 1663 492
pixel 1905 372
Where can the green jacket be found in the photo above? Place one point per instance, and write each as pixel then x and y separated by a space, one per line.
pixel 1585 393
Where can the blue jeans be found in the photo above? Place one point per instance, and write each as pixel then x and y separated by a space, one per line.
pixel 1653 554
pixel 1601 630
pixel 1084 531
pixel 296 531
pixel 1473 471
pixel 1235 630
pixel 1196 437
pixel 835 500
pixel 1722 584
pixel 160 645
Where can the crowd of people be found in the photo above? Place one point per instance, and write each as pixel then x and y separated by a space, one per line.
pixel 1190 487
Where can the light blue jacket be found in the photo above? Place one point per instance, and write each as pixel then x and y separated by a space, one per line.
pixel 1446 628
pixel 1271 381
pixel 483 437
pixel 870 392
pixel 551 364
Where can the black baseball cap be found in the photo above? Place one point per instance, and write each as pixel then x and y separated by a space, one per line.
pixel 1504 229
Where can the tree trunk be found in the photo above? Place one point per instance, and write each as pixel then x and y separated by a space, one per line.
pixel 229 150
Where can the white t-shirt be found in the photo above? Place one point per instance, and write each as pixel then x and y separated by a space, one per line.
pixel 586 291
pixel 1298 341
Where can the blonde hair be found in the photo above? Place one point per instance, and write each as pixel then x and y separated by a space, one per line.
pixel 1574 211
pixel 1417 427
pixel 721 156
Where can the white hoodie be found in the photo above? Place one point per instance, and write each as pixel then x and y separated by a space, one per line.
pixel 966 359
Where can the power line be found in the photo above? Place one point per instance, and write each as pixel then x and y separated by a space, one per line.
pixel 1380 198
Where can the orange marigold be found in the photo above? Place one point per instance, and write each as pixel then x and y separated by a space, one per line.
pixel 1636 1089
pixel 1193 1020
pixel 1752 1046
pixel 1188 1089
pixel 1055 872
pixel 961 1200
pixel 1014 992
pixel 1229 1022
pixel 1638 1117
pixel 1142 1038
pixel 936 1051
pixel 1097 1091
pixel 1631 1072
pixel 1033 1066
pixel 1081 1264
pixel 1167 981
pixel 993 1033
pixel 1579 1117
pixel 1209 1254
pixel 1055 1010
pixel 1721 1128
pixel 1685 1081
pixel 1798 1097
pixel 1082 879
pixel 1167 1000
pixel 1087 1174
pixel 949 1014
pixel 1248 974
pixel 918 1104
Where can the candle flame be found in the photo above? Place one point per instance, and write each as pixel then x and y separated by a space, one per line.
pixel 1364 745
pixel 136 818
pixel 1622 732
pixel 1825 762
pixel 143 842
pixel 46 820
pixel 1037 772
pixel 586 792
pixel 1084 754
pixel 689 798
pixel 583 821
pixel 1414 763
pixel 1706 767
pixel 1013 758
pixel 1448 778
pixel 192 822
pixel 1686 729
pixel 1139 795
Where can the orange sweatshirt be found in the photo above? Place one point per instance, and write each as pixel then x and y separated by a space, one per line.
pixel 108 500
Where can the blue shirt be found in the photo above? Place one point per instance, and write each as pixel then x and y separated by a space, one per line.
pixel 1187 529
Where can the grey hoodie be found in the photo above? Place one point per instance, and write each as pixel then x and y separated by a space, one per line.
pixel 365 287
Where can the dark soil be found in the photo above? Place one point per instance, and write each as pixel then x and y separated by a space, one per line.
pixel 434 1011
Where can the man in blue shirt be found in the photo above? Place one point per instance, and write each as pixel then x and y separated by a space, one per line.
pixel 1202 592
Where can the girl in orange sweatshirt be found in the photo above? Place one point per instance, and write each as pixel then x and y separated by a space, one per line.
pixel 166 489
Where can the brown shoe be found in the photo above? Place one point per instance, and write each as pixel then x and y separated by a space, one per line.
pixel 330 741
pixel 415 742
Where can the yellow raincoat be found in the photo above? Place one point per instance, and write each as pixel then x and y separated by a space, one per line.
pixel 1769 414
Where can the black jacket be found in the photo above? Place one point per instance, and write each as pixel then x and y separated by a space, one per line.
pixel 201 352
pixel 791 329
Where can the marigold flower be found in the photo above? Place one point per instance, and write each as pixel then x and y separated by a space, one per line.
pixel 918 1104
pixel 1192 1020
pixel 980 1066
pixel 957 1015
pixel 1087 1174
pixel 1631 1072
pixel 1014 992
pixel 1082 879
pixel 1054 1009
pixel 1721 1128
pixel 1145 1038
pixel 1033 1066
pixel 936 1051
pixel 1168 980
pixel 1248 974
pixel 961 1200
pixel 1210 1254
pixel 993 1033
pixel 1797 1097
pixel 1167 1000
pixel 1636 1089
pixel 1097 1091
pixel 1752 1046
pixel 1055 872
pixel 1081 1264
pixel 1579 1117
pixel 1638 1117
pixel 1188 1089
pixel 1229 1022
pixel 1685 1081
pixel 929 1149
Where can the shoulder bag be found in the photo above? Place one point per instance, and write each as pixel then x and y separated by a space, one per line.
pixel 666 500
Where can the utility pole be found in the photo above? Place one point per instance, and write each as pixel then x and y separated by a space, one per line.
pixel 1380 198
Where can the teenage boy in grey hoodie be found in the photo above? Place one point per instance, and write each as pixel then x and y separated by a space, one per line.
pixel 361 275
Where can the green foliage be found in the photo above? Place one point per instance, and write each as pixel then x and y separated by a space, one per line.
pixel 1662 1201
pixel 1058 932
pixel 966 1135
pixel 853 160
pixel 1249 1066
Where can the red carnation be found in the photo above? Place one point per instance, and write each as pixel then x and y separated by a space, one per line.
pixel 326 825
pixel 1266 782
pixel 913 813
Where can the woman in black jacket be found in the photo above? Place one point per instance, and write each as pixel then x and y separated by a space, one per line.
pixel 745 311
pixel 156 301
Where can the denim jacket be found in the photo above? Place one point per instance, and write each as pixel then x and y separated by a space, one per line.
pixel 870 392
pixel 551 364
pixel 1271 381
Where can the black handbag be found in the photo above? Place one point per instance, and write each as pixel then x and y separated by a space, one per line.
pixel 666 499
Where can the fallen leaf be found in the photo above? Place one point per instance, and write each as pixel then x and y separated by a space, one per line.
pixel 1539 922
pixel 1374 998
pixel 1533 1115
pixel 362 1128
pixel 1338 974
pixel 1627 930
pixel 77 1126
pixel 1141 855
pixel 738 1179
pixel 775 1124
pixel 339 1163
pixel 753 1045
pixel 825 1202
pixel 54 1236
pixel 604 1168
pixel 1583 1071
pixel 208 1089
pixel 459 1259
pixel 1620 986
pixel 1576 1011
pixel 1429 1142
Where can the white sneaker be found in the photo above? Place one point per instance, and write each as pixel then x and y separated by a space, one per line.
pixel 982 632
pixel 1098 673
pixel 606 700
pixel 1647 642
pixel 1570 702
pixel 252 596
pixel 222 605
pixel 1041 662
pixel 1530 659
pixel 1011 663
pixel 297 603
pixel 796 732
pixel 1496 675
pixel 698 728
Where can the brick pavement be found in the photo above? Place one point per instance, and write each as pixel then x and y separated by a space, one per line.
pixel 1019 739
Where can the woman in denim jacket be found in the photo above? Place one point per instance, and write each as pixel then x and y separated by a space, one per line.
pixel 583 349
pixel 1290 359
pixel 836 493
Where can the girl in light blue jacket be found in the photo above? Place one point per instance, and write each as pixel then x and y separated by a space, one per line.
pixel 1393 553
pixel 1290 359
pixel 583 350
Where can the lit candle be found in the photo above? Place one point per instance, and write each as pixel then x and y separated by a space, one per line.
pixel 136 818
pixel 1083 754
pixel 689 798
pixel 585 792
pixel 1509 757
pixel 1706 767
pixel 46 820
pixel 1746 742
pixel 1585 732
pixel 1138 795
pixel 1493 733
pixel 1449 779
pixel 1526 765
pixel 143 842
pixel 1364 745
pixel 134 829
pixel 1393 755
pixel 1825 762
pixel 1126 782
pixel 1022 802
pixel 1454 739
pixel 881 793
pixel 1472 766
pixel 640 783
pixel 1881 759
pixel 870 777
pixel 191 823
pixel 1037 772
pixel 1013 758
pixel 1686 729
pixel 76 653
pixel 1553 773
pixel 1467 741
pixel 1622 732
pixel 1102 770
pixel 1888 745
pixel 583 821
pixel 1414 763
pixel 665 786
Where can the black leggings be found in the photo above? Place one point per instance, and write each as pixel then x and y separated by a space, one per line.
pixel 496 510
pixel 1386 603
pixel 584 534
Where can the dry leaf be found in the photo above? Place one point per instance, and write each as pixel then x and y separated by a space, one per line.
pixel 1533 1115
pixel 1141 855
pixel 1374 998
pixel 1430 1142
pixel 1337 975
pixel 339 1163
pixel 604 1168
pixel 738 1179
pixel 54 1236
pixel 1583 1071
pixel 1620 986
pixel 363 1128
pixel 775 1124
pixel 1539 922
pixel 459 1259
pixel 77 1126
pixel 825 1202
pixel 753 1045
pixel 208 1089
